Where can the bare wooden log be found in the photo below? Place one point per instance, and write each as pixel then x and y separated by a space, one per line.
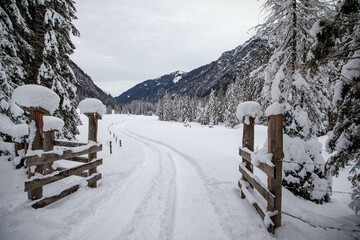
pixel 46 201
pixel 269 197
pixel 81 174
pixel 248 142
pixel 269 170
pixel 275 147
pixel 39 182
pixel 68 144
pixel 66 154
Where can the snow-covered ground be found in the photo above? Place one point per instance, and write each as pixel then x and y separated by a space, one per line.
pixel 167 181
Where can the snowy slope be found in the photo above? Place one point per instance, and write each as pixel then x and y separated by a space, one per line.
pixel 200 81
pixel 165 182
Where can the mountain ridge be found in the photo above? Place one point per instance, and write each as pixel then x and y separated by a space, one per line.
pixel 200 81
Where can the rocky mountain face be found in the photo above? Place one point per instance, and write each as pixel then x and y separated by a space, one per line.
pixel 237 63
pixel 86 88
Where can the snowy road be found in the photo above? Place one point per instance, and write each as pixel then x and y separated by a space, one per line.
pixel 167 181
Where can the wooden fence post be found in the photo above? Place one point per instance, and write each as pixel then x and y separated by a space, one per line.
pixel 275 147
pixel 49 139
pixel 248 142
pixel 36 117
pixel 110 147
pixel 93 128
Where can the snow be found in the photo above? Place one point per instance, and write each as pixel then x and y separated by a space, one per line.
pixel 177 78
pixel 274 109
pixel 351 69
pixel 248 109
pixel 167 181
pixel 92 105
pixel 16 131
pixel 52 123
pixel 36 96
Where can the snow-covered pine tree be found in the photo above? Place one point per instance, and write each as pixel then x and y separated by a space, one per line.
pixel 288 82
pixel 14 48
pixel 219 108
pixel 187 109
pixel 211 108
pixel 231 99
pixel 168 108
pixel 160 109
pixel 51 23
pixel 338 46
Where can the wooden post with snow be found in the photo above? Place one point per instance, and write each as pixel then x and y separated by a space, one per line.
pixel 248 142
pixel 270 162
pixel 51 125
pixel 38 101
pixel 275 147
pixel 93 109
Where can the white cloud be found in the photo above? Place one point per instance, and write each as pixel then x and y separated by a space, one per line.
pixel 132 41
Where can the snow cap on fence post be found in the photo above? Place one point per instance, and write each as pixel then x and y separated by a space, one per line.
pixel 248 109
pixel 274 109
pixel 92 106
pixel 36 97
pixel 52 123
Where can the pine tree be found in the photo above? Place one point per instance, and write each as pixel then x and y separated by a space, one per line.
pixel 289 83
pixel 211 108
pixel 13 48
pixel 230 118
pixel 219 108
pixel 51 23
pixel 338 45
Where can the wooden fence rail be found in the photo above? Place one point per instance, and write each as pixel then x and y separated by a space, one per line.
pixel 272 193
pixel 42 155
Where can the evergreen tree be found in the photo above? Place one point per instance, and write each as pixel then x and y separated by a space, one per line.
pixel 338 46
pixel 230 118
pixel 288 82
pixel 12 73
pixel 211 108
pixel 219 108
pixel 35 46
pixel 51 22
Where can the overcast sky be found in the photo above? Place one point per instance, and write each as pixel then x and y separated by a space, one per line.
pixel 124 42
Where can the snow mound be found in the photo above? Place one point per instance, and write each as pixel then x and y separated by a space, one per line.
pixel 52 123
pixel 92 105
pixel 36 96
pixel 248 109
pixel 274 109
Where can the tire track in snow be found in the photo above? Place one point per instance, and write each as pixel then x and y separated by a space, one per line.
pixel 118 202
pixel 196 214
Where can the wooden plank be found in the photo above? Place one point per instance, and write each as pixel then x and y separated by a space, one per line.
pixel 260 212
pixel 46 201
pixel 275 147
pixel 269 170
pixel 68 144
pixel 79 159
pixel 92 136
pixel 39 182
pixel 270 198
pixel 248 142
pixel 48 157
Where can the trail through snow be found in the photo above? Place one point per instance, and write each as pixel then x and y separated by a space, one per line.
pixel 167 181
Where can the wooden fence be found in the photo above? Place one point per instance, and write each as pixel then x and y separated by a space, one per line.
pixel 272 193
pixel 42 155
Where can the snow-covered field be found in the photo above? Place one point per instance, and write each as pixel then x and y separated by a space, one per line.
pixel 167 181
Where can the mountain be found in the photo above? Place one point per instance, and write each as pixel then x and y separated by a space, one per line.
pixel 86 88
pixel 218 74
